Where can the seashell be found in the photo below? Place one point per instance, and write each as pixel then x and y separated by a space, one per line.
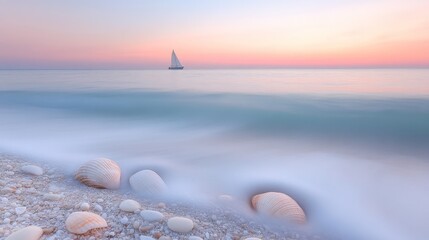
pixel 278 205
pixel 27 233
pixel 129 205
pixel 180 224
pixel 147 182
pixel 100 173
pixel 151 216
pixel 82 222
pixel 32 169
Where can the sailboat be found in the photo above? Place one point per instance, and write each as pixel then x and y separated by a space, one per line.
pixel 175 64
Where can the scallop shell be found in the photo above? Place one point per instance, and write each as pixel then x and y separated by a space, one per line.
pixel 147 182
pixel 27 233
pixel 129 205
pixel 82 222
pixel 278 205
pixel 100 173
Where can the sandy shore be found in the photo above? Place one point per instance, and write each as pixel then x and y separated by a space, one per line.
pixel 47 200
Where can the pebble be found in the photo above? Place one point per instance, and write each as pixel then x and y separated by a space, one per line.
pixel 164 238
pixel 195 238
pixel 136 224
pixel 32 169
pixel 52 197
pixel 20 210
pixel 180 224
pixel 98 207
pixel 146 228
pixel 151 216
pixel 124 220
pixel 84 206
pixel 6 221
pixel 129 205
pixel 146 238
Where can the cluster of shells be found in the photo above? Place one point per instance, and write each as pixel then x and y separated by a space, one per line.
pixel 106 173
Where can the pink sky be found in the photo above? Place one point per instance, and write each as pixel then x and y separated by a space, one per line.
pixel 141 34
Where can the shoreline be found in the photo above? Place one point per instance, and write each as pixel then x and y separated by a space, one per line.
pixel 50 198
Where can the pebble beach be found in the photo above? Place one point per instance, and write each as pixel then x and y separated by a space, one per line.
pixel 47 199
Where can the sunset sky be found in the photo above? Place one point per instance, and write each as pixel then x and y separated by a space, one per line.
pixel 213 34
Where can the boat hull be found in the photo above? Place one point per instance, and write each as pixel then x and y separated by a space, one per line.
pixel 175 68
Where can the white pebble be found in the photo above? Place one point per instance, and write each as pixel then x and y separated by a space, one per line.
pixel 52 197
pixel 129 205
pixel 84 206
pixel 32 169
pixel 151 216
pixel 100 200
pixel 194 238
pixel 180 224
pixel 124 220
pixel 20 210
pixel 146 238
pixel 136 224
pixel 6 221
pixel 98 207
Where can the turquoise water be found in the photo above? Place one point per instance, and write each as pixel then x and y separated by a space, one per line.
pixel 350 144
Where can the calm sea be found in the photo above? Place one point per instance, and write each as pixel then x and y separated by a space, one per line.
pixel 352 145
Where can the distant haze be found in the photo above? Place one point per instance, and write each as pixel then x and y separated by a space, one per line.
pixel 58 34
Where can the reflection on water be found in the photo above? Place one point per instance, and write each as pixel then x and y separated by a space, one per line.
pixel 385 82
pixel 349 145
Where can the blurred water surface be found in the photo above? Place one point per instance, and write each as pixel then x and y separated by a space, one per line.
pixel 350 144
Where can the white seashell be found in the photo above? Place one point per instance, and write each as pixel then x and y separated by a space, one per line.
pixel 278 205
pixel 100 173
pixel 32 169
pixel 129 205
pixel 151 216
pixel 147 182
pixel 180 224
pixel 27 233
pixel 82 222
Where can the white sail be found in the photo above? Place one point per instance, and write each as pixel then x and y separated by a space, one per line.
pixel 175 63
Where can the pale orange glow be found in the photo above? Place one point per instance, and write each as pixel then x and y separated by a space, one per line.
pixel 383 33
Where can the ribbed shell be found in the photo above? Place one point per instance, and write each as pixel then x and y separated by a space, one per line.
pixel 82 222
pixel 278 205
pixel 147 182
pixel 100 173
pixel 27 233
